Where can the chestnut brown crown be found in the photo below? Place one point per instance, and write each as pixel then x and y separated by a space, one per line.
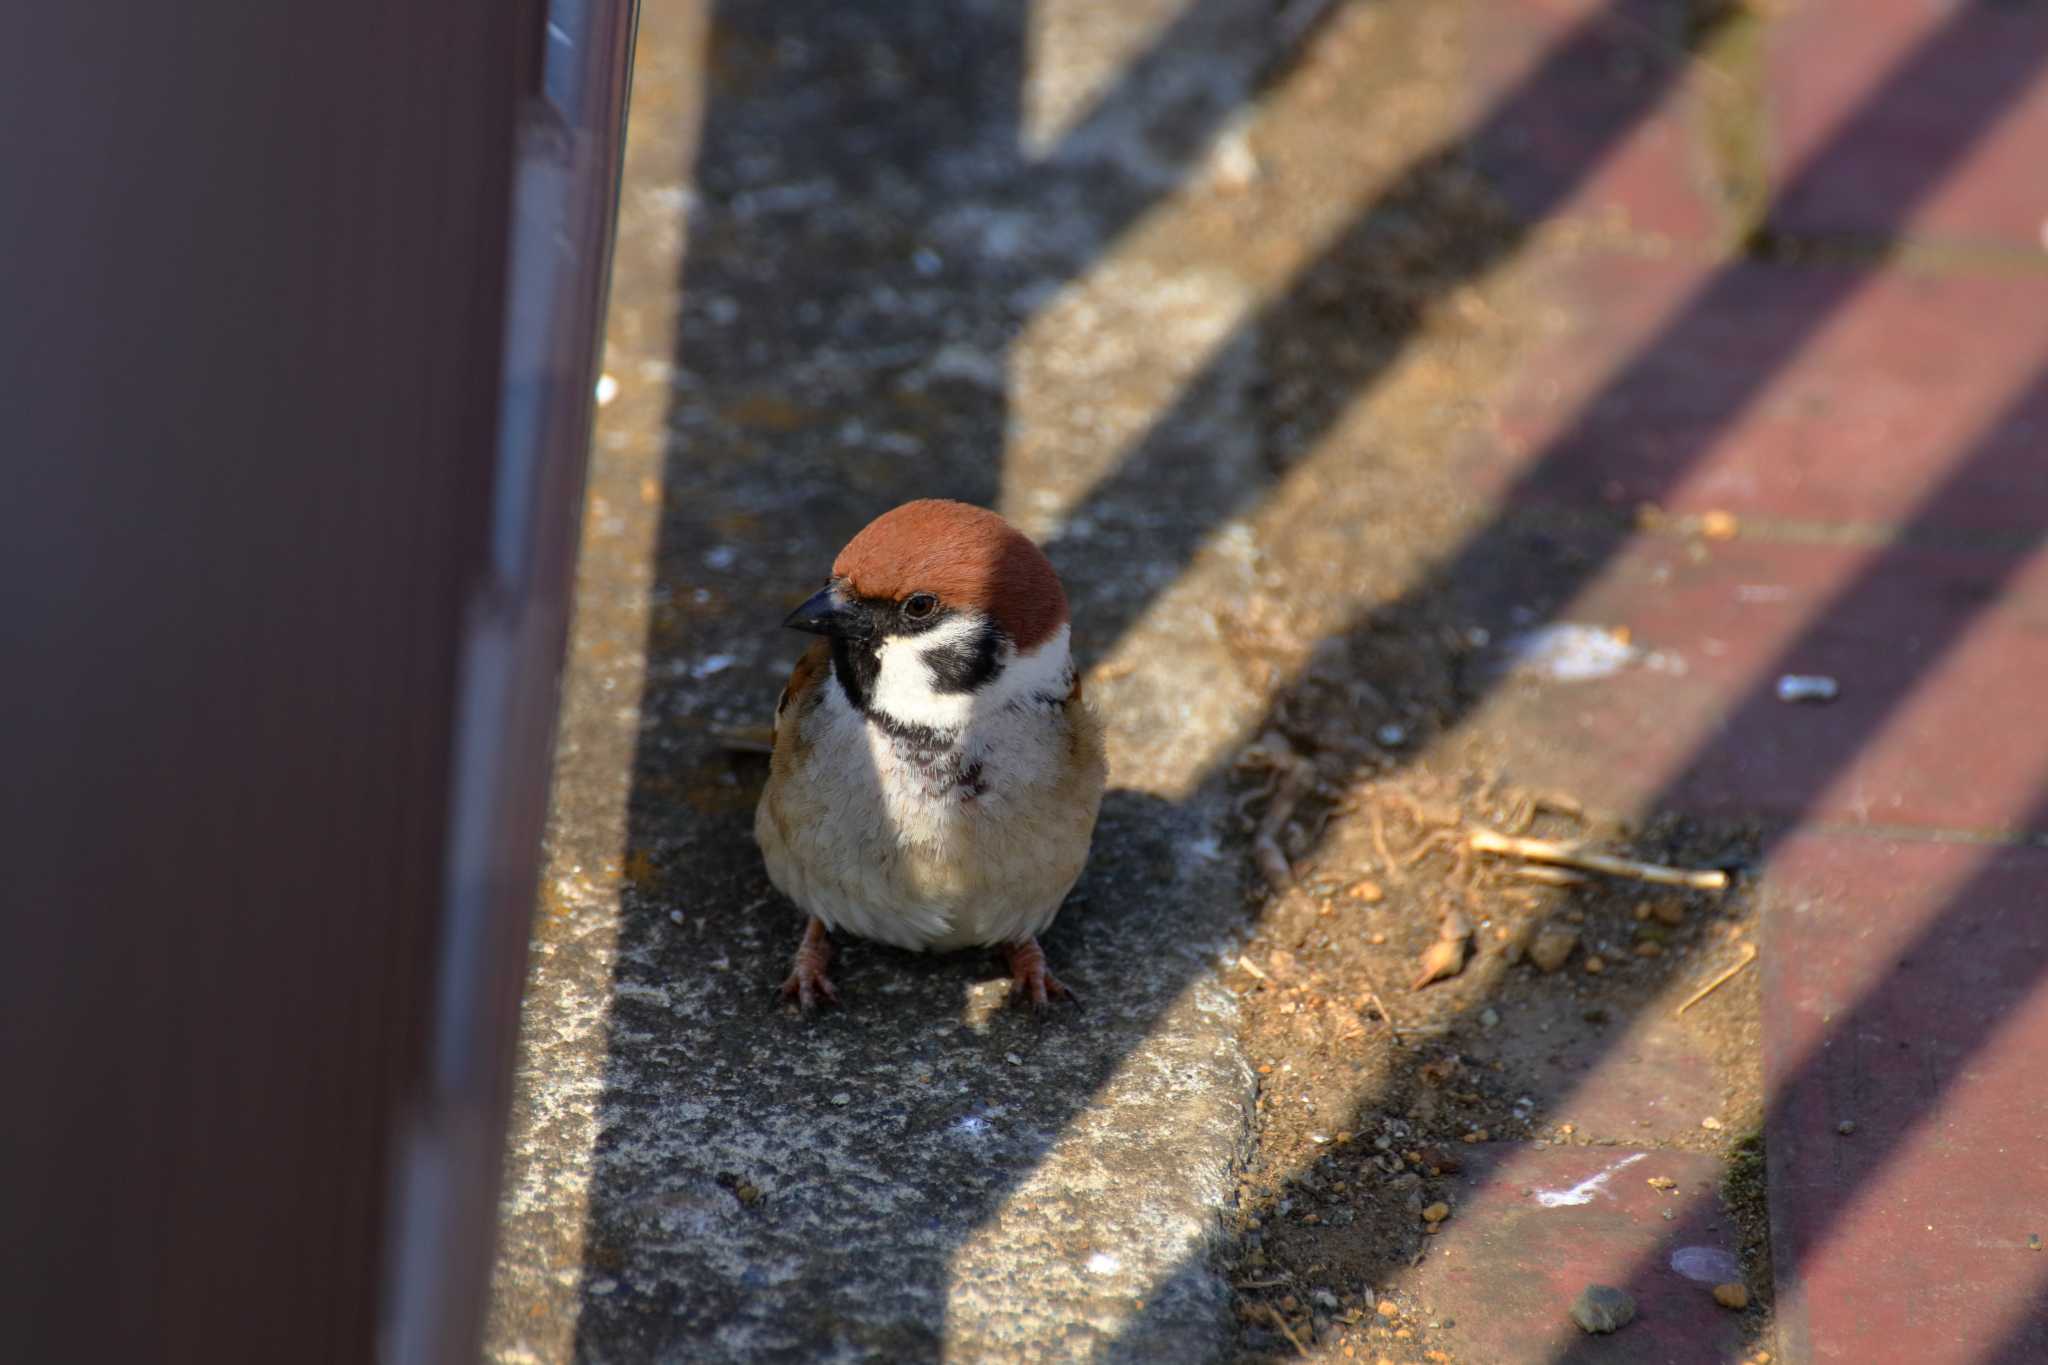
pixel 967 556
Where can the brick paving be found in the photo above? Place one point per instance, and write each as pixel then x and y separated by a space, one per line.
pixel 1830 459
pixel 1540 1226
pixel 1595 115
pixel 1870 100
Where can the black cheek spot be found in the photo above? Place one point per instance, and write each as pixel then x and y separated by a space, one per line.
pixel 966 665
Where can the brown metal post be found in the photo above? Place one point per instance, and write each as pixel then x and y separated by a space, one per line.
pixel 298 308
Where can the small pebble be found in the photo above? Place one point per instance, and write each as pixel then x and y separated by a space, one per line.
pixel 1013 1059
pixel 2033 1241
pixel 1649 947
pixel 1719 525
pixel 1489 1018
pixel 1391 736
pixel 1369 892
pixel 1846 1127
pixel 1552 948
pixel 1595 965
pixel 675 916
pixel 1669 912
pixel 1603 1308
pixel 1731 1296
pixel 1642 910
pixel 842 1098
pixel 1387 1308
pixel 1436 1213
pixel 1662 1182
pixel 1711 1124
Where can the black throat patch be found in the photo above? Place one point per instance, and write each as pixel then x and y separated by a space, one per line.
pixel 857 664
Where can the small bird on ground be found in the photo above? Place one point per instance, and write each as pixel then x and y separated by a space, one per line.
pixel 936 773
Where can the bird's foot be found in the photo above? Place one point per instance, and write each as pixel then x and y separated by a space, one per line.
pixel 1031 985
pixel 807 983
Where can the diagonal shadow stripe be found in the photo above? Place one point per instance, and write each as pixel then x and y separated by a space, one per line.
pixel 2027 1343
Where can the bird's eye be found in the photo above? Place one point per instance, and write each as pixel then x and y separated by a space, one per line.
pixel 919 606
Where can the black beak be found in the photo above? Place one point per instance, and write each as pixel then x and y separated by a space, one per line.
pixel 828 612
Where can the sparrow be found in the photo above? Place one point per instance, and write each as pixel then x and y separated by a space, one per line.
pixel 936 773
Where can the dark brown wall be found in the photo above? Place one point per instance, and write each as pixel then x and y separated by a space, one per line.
pixel 286 527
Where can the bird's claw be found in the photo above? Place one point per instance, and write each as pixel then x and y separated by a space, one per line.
pixel 807 982
pixel 807 985
pixel 1032 987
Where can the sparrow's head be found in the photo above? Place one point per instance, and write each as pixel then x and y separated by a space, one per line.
pixel 937 608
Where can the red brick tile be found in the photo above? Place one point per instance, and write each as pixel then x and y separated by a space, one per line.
pixel 1585 111
pixel 1904 116
pixel 1909 396
pixel 1939 655
pixel 1906 993
pixel 1506 1267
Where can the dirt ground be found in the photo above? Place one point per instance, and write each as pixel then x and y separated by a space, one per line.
pixel 1371 1089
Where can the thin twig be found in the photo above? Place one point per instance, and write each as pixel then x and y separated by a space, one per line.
pixel 1424 817
pixel 1568 855
pixel 1285 1330
pixel 1379 843
pixel 1379 1002
pixel 1431 842
pixel 1550 876
pixel 1251 798
pixel 1748 956
pixel 1523 816
pixel 1297 779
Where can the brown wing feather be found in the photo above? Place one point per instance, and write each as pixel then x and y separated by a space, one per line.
pixel 804 680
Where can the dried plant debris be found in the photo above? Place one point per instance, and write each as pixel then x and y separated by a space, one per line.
pixel 1445 958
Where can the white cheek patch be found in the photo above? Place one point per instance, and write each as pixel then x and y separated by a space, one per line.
pixel 906 690
pixel 1047 671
